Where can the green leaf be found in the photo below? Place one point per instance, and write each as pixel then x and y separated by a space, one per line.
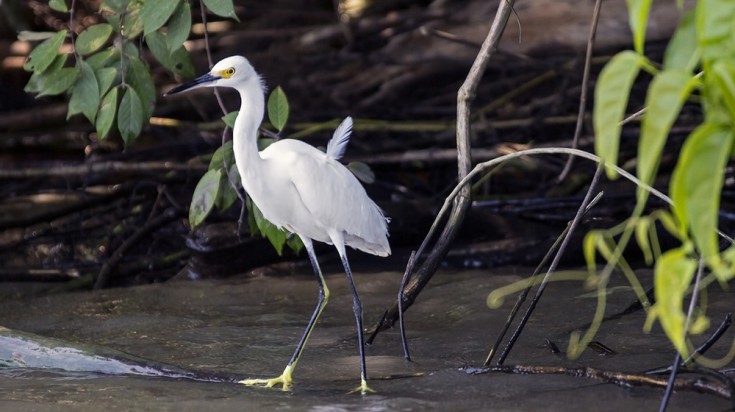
pixel 105 77
pixel 666 95
pixel 139 77
pixel 714 27
pixel 642 227
pixel 276 236
pixel 36 82
pixel 230 117
pixel 27 35
pixel 44 54
pixel 58 5
pixel 295 243
pixel 589 250
pixel 223 153
pixel 227 194
pixel 723 71
pixel 223 8
pixel 156 13
pixel 205 194
pixel 91 39
pixel 106 114
pixel 179 26
pixel 85 96
pixel 103 59
pixel 59 81
pixel 682 52
pixel 278 108
pixel 362 171
pixel 696 184
pixel 130 116
pixel 117 6
pixel 132 21
pixel 672 275
pixel 638 15
pixel 178 61
pixel 611 99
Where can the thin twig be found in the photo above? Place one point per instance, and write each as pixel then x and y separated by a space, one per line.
pixel 585 87
pixel 465 96
pixel 401 324
pixel 687 322
pixel 552 267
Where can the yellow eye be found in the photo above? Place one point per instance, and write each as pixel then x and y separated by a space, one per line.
pixel 227 73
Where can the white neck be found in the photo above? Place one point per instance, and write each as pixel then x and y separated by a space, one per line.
pixel 245 133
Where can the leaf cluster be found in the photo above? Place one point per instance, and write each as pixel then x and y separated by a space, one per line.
pixel 698 66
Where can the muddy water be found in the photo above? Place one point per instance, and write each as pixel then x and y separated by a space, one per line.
pixel 247 327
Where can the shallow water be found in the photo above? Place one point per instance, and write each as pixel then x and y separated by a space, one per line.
pixel 248 327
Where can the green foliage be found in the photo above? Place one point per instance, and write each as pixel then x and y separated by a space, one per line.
pixel 705 38
pixel 107 65
pixel 205 196
pixel 278 108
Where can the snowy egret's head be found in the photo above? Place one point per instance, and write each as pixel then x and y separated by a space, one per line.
pixel 230 72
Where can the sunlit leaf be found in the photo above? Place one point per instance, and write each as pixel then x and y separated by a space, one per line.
pixel 723 71
pixel 638 15
pixel 133 21
pixel 92 38
pixel 203 199
pixel 156 13
pixel 611 100
pixel 278 108
pixel 106 114
pixel 641 228
pixel 130 116
pixel 714 28
pixel 666 95
pixel 222 8
pixel 118 6
pixel 696 184
pixel 44 54
pixel 85 96
pixel 27 35
pixel 672 275
pixel 682 52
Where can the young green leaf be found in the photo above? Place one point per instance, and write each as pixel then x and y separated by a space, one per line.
pixel 85 96
pixel 230 117
pixel 696 184
pixel 672 275
pixel 44 54
pixel 638 15
pixel 106 114
pixel 92 38
pixel 179 26
pixel 223 8
pixel 58 5
pixel 611 100
pixel 205 194
pixel 723 71
pixel 130 116
pixel 156 13
pixel 666 95
pixel 682 52
pixel 714 28
pixel 278 108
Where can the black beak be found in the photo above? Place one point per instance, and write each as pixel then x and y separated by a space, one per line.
pixel 200 81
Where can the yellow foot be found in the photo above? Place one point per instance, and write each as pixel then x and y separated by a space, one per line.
pixel 364 389
pixel 285 380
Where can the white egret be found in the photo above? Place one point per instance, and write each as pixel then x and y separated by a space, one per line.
pixel 302 189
